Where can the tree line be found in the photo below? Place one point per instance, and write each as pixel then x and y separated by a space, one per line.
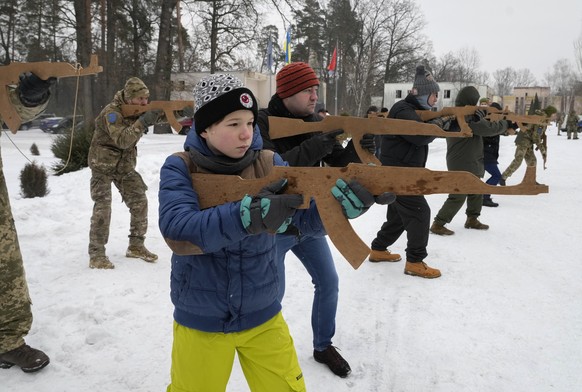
pixel 377 42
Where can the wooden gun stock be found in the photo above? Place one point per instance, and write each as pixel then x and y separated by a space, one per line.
pixel 9 75
pixel 356 127
pixel 168 107
pixel 316 183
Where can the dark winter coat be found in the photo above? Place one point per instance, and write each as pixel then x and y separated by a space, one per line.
pixel 405 150
pixel 301 150
pixel 232 284
pixel 491 149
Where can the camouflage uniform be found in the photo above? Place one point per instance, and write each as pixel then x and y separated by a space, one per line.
pixel 572 125
pixel 112 159
pixel 525 141
pixel 15 312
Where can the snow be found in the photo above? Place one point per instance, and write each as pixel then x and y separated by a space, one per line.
pixel 504 316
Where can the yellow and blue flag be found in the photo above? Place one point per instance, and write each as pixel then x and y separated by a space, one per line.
pixel 287 46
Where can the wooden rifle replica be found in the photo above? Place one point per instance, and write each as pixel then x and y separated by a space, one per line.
pixel 316 183
pixel 168 107
pixel 356 127
pixel 493 114
pixel 9 75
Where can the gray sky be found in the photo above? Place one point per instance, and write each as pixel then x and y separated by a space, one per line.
pixel 520 34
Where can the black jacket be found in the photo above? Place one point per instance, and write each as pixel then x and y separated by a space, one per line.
pixel 405 150
pixel 301 150
pixel 490 149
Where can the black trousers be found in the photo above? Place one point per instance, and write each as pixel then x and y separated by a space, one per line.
pixel 410 214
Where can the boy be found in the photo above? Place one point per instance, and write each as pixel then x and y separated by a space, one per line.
pixel 224 281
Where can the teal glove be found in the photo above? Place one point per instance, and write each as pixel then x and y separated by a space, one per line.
pixel 270 211
pixel 355 199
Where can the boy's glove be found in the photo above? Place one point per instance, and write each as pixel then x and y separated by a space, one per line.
pixel 269 211
pixel 34 91
pixel 355 199
pixel 443 123
pixel 480 114
pixel 149 118
pixel 368 143
pixel 327 140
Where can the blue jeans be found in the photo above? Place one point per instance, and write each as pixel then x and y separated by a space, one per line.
pixel 492 169
pixel 316 257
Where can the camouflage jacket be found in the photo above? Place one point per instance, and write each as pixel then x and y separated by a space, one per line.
pixel 113 148
pixel 530 137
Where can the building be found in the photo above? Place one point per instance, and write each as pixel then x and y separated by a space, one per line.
pixel 523 97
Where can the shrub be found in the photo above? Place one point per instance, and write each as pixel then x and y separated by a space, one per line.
pixel 78 152
pixel 34 149
pixel 33 181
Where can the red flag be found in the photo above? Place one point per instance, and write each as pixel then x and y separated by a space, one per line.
pixel 333 63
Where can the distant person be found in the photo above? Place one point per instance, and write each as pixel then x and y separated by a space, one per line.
pixel 29 99
pixel 112 159
pixel 372 110
pixel 525 141
pixel 466 154
pixel 490 160
pixel 572 125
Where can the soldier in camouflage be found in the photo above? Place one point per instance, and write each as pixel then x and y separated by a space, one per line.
pixel 524 150
pixel 112 159
pixel 29 99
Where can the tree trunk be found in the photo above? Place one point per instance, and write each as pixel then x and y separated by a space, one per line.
pixel 163 69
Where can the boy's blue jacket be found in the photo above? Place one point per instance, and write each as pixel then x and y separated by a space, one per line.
pixel 233 285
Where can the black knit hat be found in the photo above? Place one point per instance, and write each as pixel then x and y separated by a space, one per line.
pixel 424 83
pixel 217 95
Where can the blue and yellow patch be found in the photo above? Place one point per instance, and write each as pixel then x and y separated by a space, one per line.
pixel 112 117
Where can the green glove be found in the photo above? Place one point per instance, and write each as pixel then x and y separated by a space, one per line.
pixel 355 199
pixel 150 118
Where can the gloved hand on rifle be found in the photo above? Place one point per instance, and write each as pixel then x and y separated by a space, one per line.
pixel 368 143
pixel 149 118
pixel 355 199
pixel 443 123
pixel 34 91
pixel 479 115
pixel 327 140
pixel 270 210
pixel 512 125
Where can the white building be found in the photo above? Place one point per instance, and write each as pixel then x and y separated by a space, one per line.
pixel 394 92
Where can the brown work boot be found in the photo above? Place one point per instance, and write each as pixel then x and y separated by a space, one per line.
pixel 421 269
pixel 440 229
pixel 25 357
pixel 473 223
pixel 141 252
pixel 100 262
pixel 383 255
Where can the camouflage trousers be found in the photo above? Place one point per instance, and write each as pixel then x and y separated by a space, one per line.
pixel 133 193
pixel 15 312
pixel 521 153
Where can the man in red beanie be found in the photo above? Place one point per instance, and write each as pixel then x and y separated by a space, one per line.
pixel 296 97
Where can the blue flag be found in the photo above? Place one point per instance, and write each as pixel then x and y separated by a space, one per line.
pixel 270 54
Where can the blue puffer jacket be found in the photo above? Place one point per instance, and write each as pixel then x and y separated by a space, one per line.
pixel 233 285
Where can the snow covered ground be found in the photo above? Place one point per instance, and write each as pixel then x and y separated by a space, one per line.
pixel 505 315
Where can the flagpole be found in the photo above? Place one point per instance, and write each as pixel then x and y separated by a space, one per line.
pixel 336 77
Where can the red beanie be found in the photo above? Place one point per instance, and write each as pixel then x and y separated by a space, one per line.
pixel 295 77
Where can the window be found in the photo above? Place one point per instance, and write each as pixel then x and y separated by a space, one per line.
pixel 447 94
pixel 398 93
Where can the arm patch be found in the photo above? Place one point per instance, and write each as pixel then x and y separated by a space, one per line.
pixel 112 117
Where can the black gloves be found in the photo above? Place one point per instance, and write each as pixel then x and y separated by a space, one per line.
pixel 327 140
pixel 269 211
pixel 355 199
pixel 479 115
pixel 368 143
pixel 149 118
pixel 34 91
pixel 512 125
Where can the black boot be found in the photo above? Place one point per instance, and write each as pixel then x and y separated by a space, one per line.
pixel 25 357
pixel 488 202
